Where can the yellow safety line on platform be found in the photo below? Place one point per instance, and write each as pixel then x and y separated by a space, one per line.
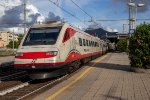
pixel 77 79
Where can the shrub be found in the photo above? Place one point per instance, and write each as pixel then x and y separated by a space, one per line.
pixel 139 47
pixel 7 52
pixel 122 45
pixel 10 45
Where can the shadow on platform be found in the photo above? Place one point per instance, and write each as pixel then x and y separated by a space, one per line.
pixel 113 97
pixel 112 66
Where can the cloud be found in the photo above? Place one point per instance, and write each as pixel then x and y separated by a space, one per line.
pixel 94 26
pixel 53 17
pixel 140 9
pixel 13 14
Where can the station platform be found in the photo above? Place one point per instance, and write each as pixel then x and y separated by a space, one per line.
pixel 6 59
pixel 105 78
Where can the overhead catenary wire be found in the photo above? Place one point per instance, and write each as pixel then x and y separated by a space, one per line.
pixel 81 9
pixel 121 19
pixel 66 11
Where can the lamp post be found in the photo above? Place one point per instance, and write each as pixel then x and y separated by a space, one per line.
pixel 133 13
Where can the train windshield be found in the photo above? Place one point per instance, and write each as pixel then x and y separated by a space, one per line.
pixel 42 36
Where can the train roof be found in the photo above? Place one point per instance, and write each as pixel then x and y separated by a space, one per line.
pixel 60 24
pixel 49 24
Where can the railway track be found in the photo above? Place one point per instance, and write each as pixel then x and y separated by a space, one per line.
pixel 32 88
pixel 24 90
pixel 12 74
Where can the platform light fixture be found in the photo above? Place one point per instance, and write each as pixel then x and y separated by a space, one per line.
pixel 133 14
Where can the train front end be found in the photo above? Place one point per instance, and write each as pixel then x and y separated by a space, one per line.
pixel 38 54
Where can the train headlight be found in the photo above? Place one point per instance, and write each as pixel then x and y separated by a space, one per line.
pixel 19 54
pixel 52 53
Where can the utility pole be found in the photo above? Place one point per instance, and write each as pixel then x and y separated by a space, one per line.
pixel 24 16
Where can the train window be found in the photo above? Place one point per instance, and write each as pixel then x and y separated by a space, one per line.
pixel 42 36
pixel 80 41
pixel 87 43
pixel 97 44
pixel 93 43
pixel 84 43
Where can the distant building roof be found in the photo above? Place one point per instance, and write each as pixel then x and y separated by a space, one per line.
pixel 101 33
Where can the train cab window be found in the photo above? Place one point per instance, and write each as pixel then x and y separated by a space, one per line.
pixel 84 42
pixel 42 36
pixel 67 35
pixel 87 43
pixel 80 41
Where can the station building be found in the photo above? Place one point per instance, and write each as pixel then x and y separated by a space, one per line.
pixel 103 34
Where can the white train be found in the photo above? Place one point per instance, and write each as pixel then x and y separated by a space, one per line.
pixel 47 49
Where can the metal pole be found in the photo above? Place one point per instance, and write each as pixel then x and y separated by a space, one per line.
pixel 13 39
pixel 123 28
pixel 135 18
pixel 130 18
pixel 24 16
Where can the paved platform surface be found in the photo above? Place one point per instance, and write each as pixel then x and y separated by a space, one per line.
pixel 6 59
pixel 106 78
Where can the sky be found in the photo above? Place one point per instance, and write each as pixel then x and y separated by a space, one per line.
pixel 43 10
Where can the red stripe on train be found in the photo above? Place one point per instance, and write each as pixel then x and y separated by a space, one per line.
pixel 39 64
pixel 72 57
pixel 34 55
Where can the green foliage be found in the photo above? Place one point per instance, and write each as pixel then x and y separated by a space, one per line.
pixel 16 43
pixel 139 47
pixel 10 45
pixel 122 45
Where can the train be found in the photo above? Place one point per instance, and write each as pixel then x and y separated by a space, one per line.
pixel 55 48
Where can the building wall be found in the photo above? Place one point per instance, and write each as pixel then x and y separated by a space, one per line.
pixel 2 43
pixel 6 37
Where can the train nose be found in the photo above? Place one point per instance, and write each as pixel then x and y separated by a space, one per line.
pixel 36 55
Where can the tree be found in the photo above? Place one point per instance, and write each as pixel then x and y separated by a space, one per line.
pixel 16 43
pixel 10 45
pixel 122 45
pixel 139 47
